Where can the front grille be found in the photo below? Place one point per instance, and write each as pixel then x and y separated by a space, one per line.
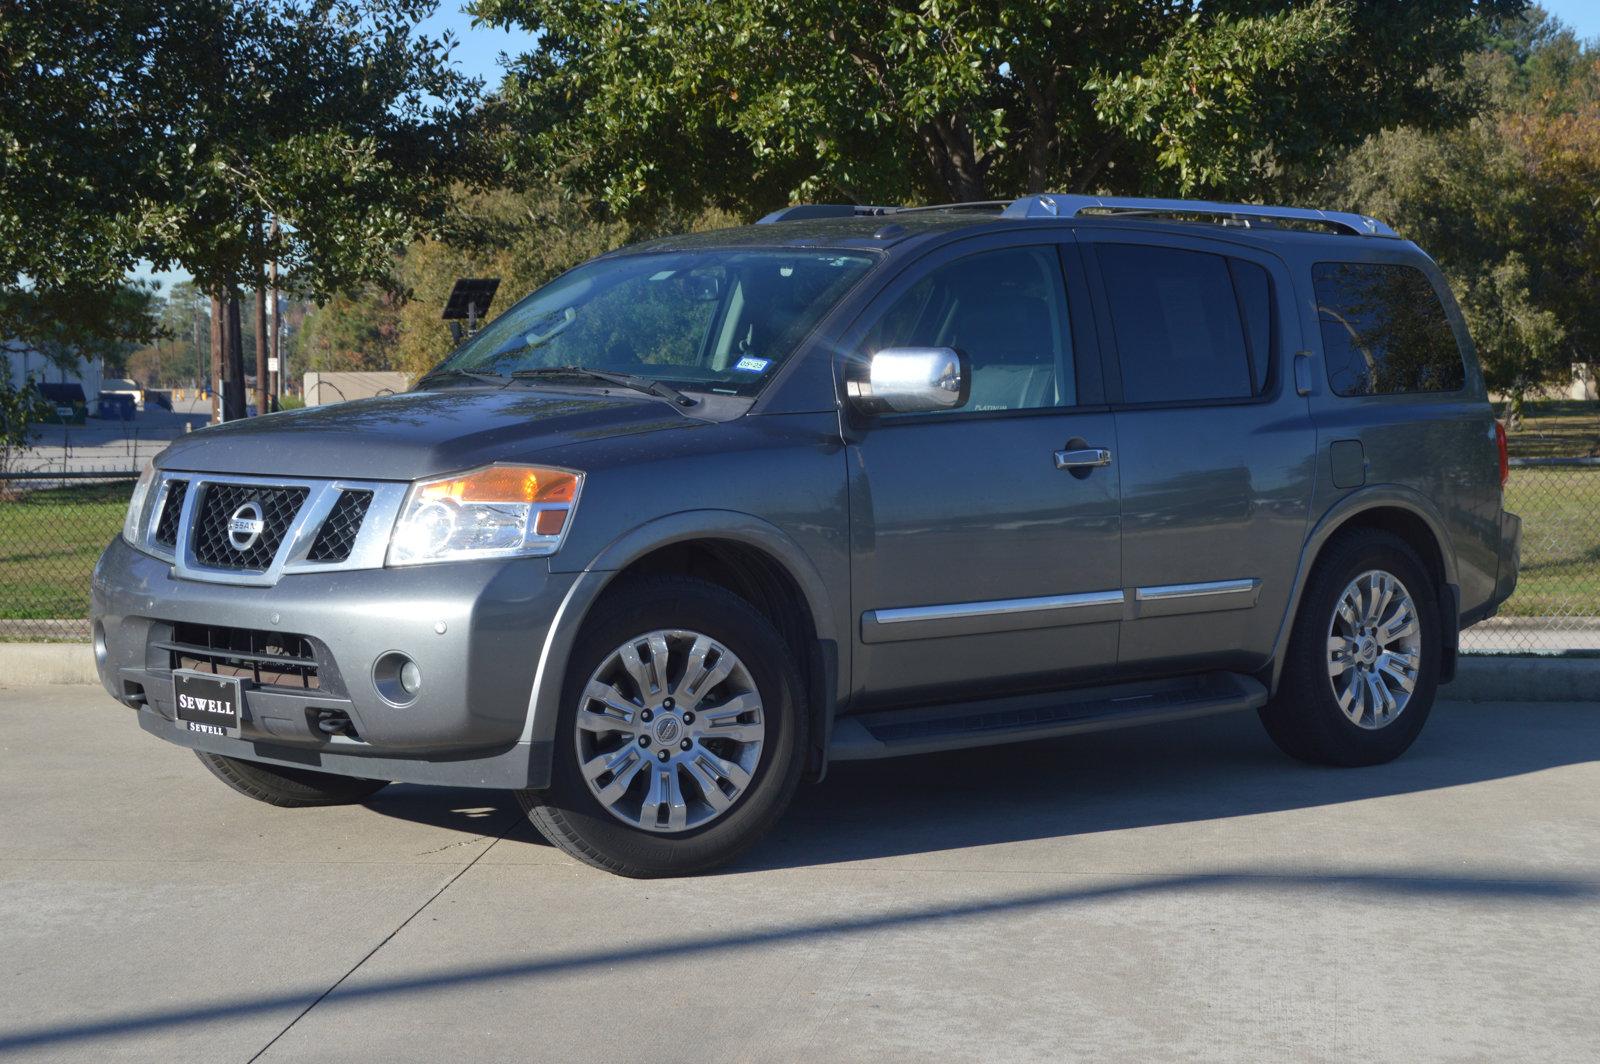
pixel 269 659
pixel 171 510
pixel 338 533
pixel 218 504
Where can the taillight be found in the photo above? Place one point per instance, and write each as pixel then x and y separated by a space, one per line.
pixel 1505 455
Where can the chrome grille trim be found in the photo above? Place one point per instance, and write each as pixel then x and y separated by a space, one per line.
pixel 368 550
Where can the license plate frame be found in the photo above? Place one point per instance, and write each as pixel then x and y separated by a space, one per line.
pixel 208 704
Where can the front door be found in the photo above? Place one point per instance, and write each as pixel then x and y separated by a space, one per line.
pixel 985 540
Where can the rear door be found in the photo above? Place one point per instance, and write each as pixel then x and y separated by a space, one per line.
pixel 1216 449
pixel 978 565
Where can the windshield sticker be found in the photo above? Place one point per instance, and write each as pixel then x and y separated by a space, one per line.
pixel 749 364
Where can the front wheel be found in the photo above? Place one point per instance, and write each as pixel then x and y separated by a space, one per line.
pixel 1363 659
pixel 681 737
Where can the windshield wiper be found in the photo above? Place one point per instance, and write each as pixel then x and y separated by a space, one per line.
pixel 448 374
pixel 626 380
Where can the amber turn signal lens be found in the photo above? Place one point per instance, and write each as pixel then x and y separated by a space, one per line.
pixel 507 484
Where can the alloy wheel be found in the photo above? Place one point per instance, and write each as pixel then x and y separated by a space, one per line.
pixel 670 730
pixel 1374 649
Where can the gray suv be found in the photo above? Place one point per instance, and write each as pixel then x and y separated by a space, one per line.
pixel 704 515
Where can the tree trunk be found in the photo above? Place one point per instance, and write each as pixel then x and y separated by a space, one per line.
pixel 236 388
pixel 218 343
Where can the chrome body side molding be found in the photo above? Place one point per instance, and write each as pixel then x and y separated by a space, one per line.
pixel 1165 600
pixel 994 615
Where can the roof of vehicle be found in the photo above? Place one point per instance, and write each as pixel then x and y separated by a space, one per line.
pixel 853 226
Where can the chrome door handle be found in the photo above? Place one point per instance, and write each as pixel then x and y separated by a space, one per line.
pixel 1083 458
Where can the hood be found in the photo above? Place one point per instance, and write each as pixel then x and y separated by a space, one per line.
pixel 417 434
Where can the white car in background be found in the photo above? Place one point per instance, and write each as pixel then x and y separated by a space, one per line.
pixel 124 386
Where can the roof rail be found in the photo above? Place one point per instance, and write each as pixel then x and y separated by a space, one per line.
pixel 801 211
pixel 1056 205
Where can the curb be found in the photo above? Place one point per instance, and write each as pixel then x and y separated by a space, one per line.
pixel 30 664
pixel 1478 679
pixel 1524 679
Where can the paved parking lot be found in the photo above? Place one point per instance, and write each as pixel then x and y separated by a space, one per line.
pixel 1179 893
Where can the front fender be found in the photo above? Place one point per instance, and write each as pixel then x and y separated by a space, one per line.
pixel 544 701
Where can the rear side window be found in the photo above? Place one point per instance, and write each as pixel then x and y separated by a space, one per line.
pixel 1384 331
pixel 1190 325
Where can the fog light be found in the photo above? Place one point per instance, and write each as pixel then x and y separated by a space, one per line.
pixel 397 678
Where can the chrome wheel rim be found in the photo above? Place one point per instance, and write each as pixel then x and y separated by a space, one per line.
pixel 1374 649
pixel 670 731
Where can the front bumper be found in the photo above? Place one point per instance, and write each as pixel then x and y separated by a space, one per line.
pixel 475 630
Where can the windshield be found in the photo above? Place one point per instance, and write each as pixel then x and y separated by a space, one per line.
pixel 714 320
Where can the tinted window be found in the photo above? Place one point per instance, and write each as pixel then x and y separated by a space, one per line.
pixel 1255 303
pixel 1384 331
pixel 1007 311
pixel 1178 329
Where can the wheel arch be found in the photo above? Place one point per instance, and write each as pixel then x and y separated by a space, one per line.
pixel 750 557
pixel 1402 512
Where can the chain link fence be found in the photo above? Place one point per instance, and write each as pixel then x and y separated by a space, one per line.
pixel 53 527
pixel 1556 608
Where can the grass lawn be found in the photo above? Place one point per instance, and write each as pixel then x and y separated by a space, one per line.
pixel 1560 510
pixel 1556 428
pixel 49 541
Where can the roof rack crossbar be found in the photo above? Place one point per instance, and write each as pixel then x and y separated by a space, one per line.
pixel 803 211
pixel 1057 205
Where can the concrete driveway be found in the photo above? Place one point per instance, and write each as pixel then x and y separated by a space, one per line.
pixel 1178 893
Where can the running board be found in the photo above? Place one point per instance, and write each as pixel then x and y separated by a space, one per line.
pixel 895 733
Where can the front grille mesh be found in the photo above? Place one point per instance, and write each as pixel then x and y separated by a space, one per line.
pixel 337 536
pixel 171 510
pixel 219 502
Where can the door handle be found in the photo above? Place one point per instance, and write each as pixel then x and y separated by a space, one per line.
pixel 1083 458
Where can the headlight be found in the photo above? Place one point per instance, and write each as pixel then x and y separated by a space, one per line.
pixel 499 511
pixel 133 523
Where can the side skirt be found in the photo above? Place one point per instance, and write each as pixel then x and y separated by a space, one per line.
pixel 896 733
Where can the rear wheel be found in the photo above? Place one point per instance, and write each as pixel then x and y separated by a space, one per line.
pixel 681 737
pixel 288 787
pixel 1363 660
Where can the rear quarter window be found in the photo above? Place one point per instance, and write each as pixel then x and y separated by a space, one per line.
pixel 1384 331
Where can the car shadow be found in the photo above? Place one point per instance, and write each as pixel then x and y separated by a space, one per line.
pixel 1190 771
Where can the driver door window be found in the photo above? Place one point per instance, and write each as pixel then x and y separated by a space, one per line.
pixel 1007 311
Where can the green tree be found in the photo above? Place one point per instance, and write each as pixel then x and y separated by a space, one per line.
pixel 1508 203
pixel 356 331
pixel 172 130
pixel 750 103
pixel 70 325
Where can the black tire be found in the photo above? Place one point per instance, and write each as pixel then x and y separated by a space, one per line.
pixel 291 788
pixel 1304 718
pixel 572 818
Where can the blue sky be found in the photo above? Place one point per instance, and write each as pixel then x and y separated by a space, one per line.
pixel 1582 15
pixel 478 52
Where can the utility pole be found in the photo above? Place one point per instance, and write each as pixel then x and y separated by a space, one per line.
pixel 277 316
pixel 261 349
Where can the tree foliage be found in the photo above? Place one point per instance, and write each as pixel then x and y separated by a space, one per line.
pixel 751 103
pixel 1508 203
pixel 171 130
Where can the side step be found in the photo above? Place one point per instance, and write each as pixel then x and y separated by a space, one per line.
pixel 895 733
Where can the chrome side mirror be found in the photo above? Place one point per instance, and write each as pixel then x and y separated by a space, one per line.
pixel 904 380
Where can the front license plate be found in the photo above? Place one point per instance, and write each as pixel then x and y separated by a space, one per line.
pixel 206 703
